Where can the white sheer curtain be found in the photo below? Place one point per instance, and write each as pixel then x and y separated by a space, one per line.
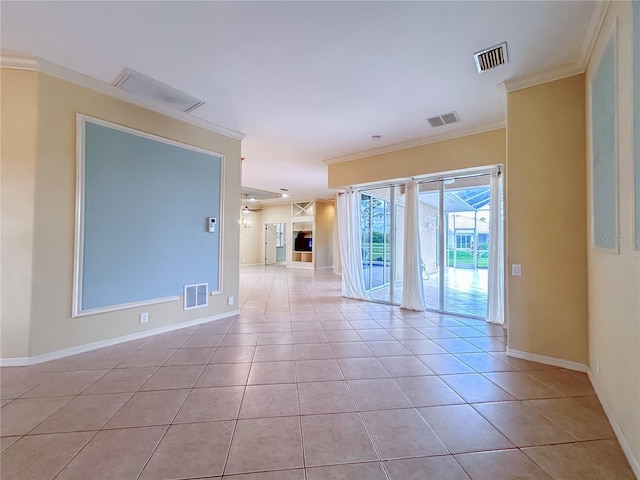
pixel 412 291
pixel 495 301
pixel 350 250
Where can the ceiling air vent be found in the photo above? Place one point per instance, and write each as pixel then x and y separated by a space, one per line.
pixel 491 57
pixel 140 85
pixel 196 296
pixel 444 119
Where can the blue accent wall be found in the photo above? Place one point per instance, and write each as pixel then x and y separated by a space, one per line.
pixel 603 135
pixel 145 218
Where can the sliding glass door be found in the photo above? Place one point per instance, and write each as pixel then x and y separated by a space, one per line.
pixel 454 241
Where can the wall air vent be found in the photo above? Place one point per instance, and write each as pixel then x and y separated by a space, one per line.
pixel 196 296
pixel 140 85
pixel 491 57
pixel 444 119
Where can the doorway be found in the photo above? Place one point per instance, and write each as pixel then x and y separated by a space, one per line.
pixel 454 216
pixel 275 249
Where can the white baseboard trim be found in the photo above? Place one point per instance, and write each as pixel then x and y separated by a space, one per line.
pixel 45 357
pixel 556 362
pixel 626 448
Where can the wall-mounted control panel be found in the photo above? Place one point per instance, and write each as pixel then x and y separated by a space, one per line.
pixel 211 222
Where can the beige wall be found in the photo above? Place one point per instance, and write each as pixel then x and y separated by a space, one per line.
pixel 482 149
pixel 251 240
pixel 323 241
pixel 19 97
pixel 52 327
pixel 614 280
pixel 545 225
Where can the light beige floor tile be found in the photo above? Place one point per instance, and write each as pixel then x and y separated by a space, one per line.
pixel 306 326
pixel 404 366
pixel 436 332
pixel 65 383
pixel 192 450
pixel 297 474
pixel 224 375
pixel 6 442
pixel 121 380
pixel 313 351
pixel 389 348
pixel 600 459
pixel 567 382
pixel 336 438
pixel 276 327
pixel 337 336
pixel 114 454
pixel 405 334
pixel 244 328
pixel 582 417
pixel 428 391
pixel 476 388
pixel 488 344
pixel 361 368
pixel 445 364
pixel 151 357
pixel 175 377
pixel 166 340
pixel 464 430
pixel 213 328
pixel 377 394
pixel 351 350
pixel 190 356
pixel 501 465
pixel 325 397
pixel 210 404
pixel 318 370
pixel 22 415
pixel 265 444
pixel 485 362
pixel 456 345
pixel 362 324
pixel 426 468
pixel 518 363
pixel 202 341
pixel 273 353
pixel 84 413
pixel 272 372
pixel 149 408
pixel 269 401
pixel 522 386
pixel 465 331
pixel 422 347
pixel 401 434
pixel 239 354
pixel 239 339
pixel 309 337
pixel 41 457
pixel 353 471
pixel 276 338
pixel 522 425
pixel 336 325
pixel 102 359
pixel 374 335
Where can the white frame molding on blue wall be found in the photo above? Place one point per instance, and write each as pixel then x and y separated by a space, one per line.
pixel 79 249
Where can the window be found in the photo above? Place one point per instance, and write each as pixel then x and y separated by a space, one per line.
pixel 279 234
pixel 463 240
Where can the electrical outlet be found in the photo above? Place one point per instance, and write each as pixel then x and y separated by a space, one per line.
pixel 144 317
pixel 516 269
pixel 231 300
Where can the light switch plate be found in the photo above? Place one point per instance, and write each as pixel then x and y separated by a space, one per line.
pixel 516 270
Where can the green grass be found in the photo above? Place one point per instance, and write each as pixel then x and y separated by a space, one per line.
pixel 464 258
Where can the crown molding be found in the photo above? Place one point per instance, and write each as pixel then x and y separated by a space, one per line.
pixel 22 62
pixel 416 143
pixel 589 37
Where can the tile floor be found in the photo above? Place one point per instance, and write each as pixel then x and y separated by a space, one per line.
pixel 306 385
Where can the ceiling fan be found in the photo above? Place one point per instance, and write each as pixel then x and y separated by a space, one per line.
pixel 245 210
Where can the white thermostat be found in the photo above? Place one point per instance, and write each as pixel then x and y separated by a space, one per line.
pixel 212 224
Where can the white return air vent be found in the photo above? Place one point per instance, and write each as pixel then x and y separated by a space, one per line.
pixel 444 119
pixel 491 57
pixel 143 86
pixel 196 296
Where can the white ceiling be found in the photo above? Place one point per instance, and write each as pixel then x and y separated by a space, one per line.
pixel 313 81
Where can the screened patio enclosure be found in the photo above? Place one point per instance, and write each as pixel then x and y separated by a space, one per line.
pixel 455 279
